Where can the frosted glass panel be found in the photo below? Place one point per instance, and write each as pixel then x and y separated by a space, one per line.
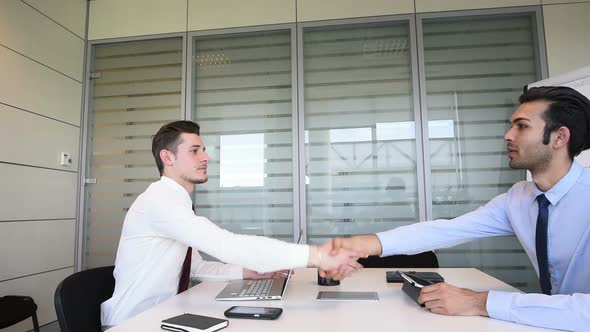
pixel 360 140
pixel 138 91
pixel 475 69
pixel 242 101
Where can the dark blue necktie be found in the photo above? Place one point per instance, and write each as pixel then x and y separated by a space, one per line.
pixel 541 243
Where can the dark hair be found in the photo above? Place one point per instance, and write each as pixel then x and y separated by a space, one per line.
pixel 567 108
pixel 168 138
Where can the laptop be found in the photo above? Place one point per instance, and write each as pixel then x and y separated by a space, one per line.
pixel 261 289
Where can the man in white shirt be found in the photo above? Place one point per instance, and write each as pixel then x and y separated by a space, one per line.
pixel 160 227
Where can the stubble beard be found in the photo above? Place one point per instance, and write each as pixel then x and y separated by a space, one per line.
pixel 196 179
pixel 539 161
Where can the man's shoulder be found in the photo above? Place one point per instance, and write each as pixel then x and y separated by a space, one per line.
pixel 520 187
pixel 153 194
pixel 584 179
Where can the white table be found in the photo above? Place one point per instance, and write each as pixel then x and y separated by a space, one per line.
pixel 394 311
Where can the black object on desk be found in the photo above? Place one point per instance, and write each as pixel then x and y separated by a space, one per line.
pixel 190 323
pixel 253 312
pixel 413 286
pixel 395 277
pixel 323 281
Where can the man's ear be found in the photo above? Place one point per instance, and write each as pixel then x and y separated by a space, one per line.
pixel 562 137
pixel 168 158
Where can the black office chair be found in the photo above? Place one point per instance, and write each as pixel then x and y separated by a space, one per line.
pixel 14 309
pixel 78 298
pixel 422 260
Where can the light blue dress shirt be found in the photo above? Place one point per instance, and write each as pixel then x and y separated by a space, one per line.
pixel 515 213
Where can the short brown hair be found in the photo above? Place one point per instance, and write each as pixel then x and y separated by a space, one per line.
pixel 168 138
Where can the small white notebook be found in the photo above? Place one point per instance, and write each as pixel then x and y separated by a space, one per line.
pixel 347 296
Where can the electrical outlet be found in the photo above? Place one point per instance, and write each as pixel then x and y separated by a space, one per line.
pixel 66 159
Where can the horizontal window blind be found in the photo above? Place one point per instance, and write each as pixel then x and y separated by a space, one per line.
pixel 242 99
pixel 138 89
pixel 361 165
pixel 360 129
pixel 475 68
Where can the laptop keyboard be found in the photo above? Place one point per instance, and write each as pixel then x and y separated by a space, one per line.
pixel 260 287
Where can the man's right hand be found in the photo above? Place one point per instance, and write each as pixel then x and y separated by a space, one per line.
pixel 369 245
pixel 339 264
pixel 363 245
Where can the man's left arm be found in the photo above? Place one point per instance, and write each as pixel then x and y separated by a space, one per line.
pixel 203 270
pixel 561 311
pixel 565 312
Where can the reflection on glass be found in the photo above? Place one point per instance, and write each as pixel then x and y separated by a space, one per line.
pixel 396 130
pixel 441 129
pixel 242 160
pixel 350 135
pixel 407 130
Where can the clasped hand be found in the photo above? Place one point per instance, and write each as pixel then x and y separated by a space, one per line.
pixel 338 263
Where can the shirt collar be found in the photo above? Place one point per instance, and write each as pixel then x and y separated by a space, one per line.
pixel 177 187
pixel 564 185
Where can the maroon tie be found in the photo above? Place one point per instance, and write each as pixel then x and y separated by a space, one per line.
pixel 185 275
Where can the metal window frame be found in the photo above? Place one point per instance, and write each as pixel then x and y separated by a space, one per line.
pixel 541 61
pixel 296 155
pixel 82 223
pixel 80 243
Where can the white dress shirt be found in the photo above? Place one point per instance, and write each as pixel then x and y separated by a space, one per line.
pixel 158 228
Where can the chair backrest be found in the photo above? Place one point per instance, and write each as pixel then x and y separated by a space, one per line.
pixel 78 298
pixel 422 260
pixel 15 309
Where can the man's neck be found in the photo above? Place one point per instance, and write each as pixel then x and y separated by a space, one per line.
pixel 188 186
pixel 545 179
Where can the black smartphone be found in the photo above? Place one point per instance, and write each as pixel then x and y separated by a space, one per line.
pixel 253 312
pixel 393 276
pixel 414 280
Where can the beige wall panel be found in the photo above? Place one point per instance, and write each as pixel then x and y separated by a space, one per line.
pixel 438 5
pixel 312 10
pixel 41 144
pixel 211 14
pixel 115 18
pixel 41 288
pixel 69 13
pixel 31 86
pixel 566 34
pixel 30 193
pixel 41 246
pixel 29 32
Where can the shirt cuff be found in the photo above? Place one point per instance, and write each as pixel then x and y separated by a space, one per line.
pixel 300 255
pixel 499 305
pixel 235 272
pixel 386 245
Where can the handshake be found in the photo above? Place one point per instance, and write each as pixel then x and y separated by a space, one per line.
pixel 337 258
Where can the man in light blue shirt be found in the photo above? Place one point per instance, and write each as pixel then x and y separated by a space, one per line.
pixel 549 128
